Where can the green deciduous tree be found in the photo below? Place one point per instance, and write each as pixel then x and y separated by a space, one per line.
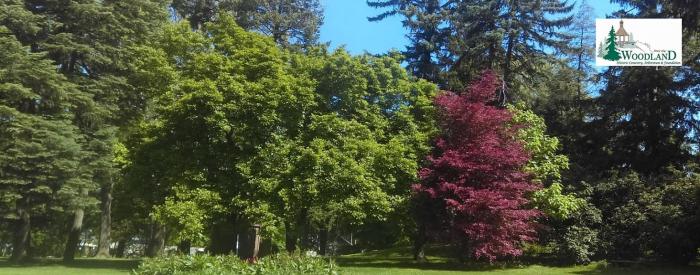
pixel 230 92
pixel 298 143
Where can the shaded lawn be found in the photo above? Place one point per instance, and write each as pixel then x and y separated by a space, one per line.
pixel 400 261
pixel 79 267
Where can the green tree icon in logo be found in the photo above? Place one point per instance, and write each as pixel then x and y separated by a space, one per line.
pixel 612 54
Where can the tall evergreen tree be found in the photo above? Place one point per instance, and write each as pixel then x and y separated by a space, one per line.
pixel 581 51
pixel 92 50
pixel 40 166
pixel 467 37
pixel 289 22
pixel 428 33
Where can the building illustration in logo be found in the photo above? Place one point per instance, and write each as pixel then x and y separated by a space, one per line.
pixel 622 37
pixel 616 40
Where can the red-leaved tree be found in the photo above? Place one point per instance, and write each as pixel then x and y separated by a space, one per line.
pixel 476 172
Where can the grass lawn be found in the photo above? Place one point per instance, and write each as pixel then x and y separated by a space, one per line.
pixel 392 261
pixel 79 267
pixel 399 261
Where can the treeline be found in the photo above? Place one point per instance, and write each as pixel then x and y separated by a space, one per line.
pixel 146 123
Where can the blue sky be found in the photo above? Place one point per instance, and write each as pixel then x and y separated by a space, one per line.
pixel 345 23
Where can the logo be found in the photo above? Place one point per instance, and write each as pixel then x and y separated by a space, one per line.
pixel 638 42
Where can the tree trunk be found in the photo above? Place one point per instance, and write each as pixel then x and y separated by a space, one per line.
pixel 157 241
pixel 21 241
pixel 304 230
pixel 105 220
pixel 121 247
pixel 290 240
pixel 322 241
pixel 512 35
pixel 74 236
pixel 224 236
pixel 184 247
pixel 419 243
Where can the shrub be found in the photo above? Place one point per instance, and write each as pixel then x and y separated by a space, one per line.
pixel 207 264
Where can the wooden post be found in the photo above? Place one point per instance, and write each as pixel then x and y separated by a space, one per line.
pixel 256 242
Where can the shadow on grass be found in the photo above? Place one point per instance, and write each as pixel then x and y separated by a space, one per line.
pixel 88 263
pixel 441 259
pixel 444 266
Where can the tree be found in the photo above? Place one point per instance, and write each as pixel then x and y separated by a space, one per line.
pixel 612 54
pixel 43 150
pixel 477 170
pixel 650 215
pixel 570 219
pixel 92 51
pixel 222 95
pixel 357 153
pixel 580 53
pixel 463 38
pixel 199 12
pixel 428 34
pixel 289 22
pixel 545 164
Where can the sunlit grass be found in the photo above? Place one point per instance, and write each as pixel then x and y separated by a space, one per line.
pixel 79 266
pixel 390 261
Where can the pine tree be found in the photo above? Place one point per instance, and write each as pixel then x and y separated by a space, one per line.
pixel 289 22
pixel 477 172
pixel 464 38
pixel 93 51
pixel 42 149
pixel 612 53
pixel 428 34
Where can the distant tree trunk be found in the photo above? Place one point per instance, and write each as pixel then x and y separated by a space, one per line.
pixel 290 239
pixel 184 247
pixel 105 219
pixel 304 230
pixel 20 242
pixel 74 235
pixel 223 236
pixel 322 240
pixel 464 251
pixel 419 243
pixel 121 247
pixel 156 243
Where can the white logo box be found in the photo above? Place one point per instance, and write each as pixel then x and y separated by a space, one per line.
pixel 639 42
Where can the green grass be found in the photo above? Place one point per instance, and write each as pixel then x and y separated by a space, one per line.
pixel 391 261
pixel 79 267
pixel 399 261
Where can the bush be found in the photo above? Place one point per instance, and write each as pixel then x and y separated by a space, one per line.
pixel 205 264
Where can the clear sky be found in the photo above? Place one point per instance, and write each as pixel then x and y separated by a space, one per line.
pixel 346 23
